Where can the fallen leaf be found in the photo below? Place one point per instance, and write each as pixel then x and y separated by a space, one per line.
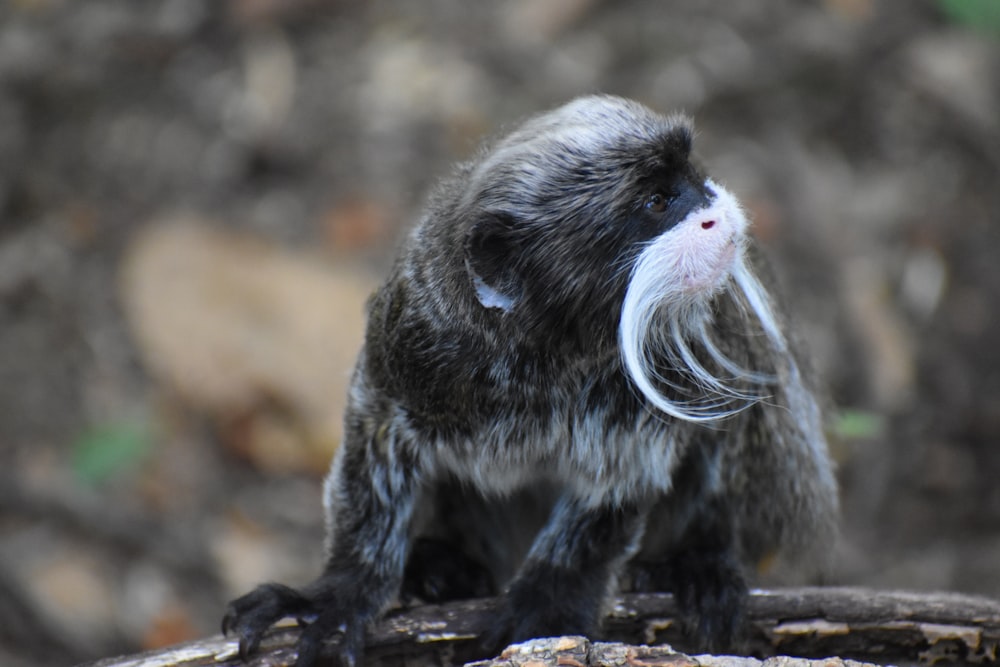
pixel 237 327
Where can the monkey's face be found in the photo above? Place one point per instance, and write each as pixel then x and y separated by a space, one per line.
pixel 591 223
pixel 687 263
pixel 563 208
pixel 667 313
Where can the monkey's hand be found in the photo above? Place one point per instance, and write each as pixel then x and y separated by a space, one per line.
pixel 327 629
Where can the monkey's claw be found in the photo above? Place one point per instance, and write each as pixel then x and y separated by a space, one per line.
pixel 251 615
pixel 330 635
pixel 326 630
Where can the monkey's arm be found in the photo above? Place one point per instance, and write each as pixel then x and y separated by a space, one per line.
pixel 370 498
pixel 562 585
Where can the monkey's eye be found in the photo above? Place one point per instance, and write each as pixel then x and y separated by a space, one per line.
pixel 656 203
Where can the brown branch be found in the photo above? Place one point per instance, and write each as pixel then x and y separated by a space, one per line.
pixel 852 623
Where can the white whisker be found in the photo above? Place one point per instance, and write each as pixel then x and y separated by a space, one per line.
pixel 738 372
pixel 660 320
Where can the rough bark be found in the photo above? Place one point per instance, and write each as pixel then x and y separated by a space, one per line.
pixel 789 626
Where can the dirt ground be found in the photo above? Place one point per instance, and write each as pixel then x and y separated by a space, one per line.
pixel 195 199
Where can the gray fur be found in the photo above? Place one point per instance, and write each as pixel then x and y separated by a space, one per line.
pixel 493 363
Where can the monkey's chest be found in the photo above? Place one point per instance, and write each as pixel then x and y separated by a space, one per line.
pixel 592 454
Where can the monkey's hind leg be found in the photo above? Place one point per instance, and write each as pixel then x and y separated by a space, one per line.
pixel 705 574
pixel 562 586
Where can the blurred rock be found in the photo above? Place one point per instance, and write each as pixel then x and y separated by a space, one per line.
pixel 246 554
pixel 269 84
pixel 356 225
pixel 411 77
pixel 925 278
pixel 528 21
pixel 958 70
pixel 75 591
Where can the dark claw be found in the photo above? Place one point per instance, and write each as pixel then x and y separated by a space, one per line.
pixel 251 615
pixel 330 635
pixel 323 631
pixel 248 645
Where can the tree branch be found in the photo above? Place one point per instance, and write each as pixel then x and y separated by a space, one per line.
pixel 852 623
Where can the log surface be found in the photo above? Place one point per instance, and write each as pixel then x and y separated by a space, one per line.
pixel 796 625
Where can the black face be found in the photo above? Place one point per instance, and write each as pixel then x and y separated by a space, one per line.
pixel 565 264
pixel 664 199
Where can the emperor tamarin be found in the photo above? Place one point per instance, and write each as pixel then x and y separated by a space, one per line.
pixel 572 346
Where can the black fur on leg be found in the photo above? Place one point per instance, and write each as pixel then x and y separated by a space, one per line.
pixel 706 577
pixel 710 591
pixel 547 602
pixel 561 588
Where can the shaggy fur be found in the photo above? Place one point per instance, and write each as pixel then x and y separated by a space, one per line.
pixel 571 374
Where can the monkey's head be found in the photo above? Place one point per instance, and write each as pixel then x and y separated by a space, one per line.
pixel 591 222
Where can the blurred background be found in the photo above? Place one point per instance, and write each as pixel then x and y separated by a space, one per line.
pixel 197 197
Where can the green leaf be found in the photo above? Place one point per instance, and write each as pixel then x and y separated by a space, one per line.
pixel 108 450
pixel 858 424
pixel 981 15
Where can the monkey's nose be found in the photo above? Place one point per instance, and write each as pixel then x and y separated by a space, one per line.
pixel 708 224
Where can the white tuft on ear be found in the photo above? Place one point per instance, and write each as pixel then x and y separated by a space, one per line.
pixel 488 296
pixel 668 307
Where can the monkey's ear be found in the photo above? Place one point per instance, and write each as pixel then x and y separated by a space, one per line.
pixel 492 250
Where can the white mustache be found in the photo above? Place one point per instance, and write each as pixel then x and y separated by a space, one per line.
pixel 668 308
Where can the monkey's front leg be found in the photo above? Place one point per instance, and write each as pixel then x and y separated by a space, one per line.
pixel 370 501
pixel 561 587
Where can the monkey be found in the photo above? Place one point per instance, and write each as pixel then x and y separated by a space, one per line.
pixel 572 378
